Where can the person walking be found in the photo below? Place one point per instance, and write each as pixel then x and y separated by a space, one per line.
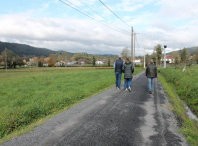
pixel 118 71
pixel 151 73
pixel 128 70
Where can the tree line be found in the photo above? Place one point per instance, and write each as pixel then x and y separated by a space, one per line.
pixel 181 56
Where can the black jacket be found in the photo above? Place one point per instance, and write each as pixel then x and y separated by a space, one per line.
pixel 118 65
pixel 128 70
pixel 151 71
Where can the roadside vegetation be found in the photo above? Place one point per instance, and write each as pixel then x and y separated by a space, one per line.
pixel 186 84
pixel 183 85
pixel 28 95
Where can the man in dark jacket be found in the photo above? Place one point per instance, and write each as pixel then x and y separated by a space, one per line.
pixel 118 71
pixel 151 73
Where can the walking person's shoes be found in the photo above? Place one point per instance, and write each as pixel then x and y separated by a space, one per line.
pixel 129 89
pixel 126 89
pixel 150 92
pixel 117 88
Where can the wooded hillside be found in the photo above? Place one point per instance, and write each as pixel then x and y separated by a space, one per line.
pixel 25 50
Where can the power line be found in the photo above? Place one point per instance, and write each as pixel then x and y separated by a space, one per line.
pixel 92 17
pixel 79 8
pixel 101 16
pixel 114 14
pixel 90 8
pixel 90 13
pixel 137 42
pixel 185 14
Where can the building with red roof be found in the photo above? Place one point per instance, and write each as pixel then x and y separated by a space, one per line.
pixel 169 59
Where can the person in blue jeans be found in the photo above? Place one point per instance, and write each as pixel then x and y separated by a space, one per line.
pixel 118 71
pixel 151 74
pixel 128 70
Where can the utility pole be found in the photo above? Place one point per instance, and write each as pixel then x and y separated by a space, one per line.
pixel 6 59
pixel 165 56
pixel 156 56
pixel 132 44
pixel 144 57
pixel 134 49
pixel 165 46
pixel 30 62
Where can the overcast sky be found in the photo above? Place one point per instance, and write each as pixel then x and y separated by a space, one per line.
pixel 54 25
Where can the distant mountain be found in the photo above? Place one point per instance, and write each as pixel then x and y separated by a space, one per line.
pixel 27 50
pixel 192 50
pixel 106 55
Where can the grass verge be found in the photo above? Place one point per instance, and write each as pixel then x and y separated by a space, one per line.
pixel 188 127
pixel 185 83
pixel 29 97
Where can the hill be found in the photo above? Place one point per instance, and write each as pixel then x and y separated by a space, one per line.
pixel 191 49
pixel 27 50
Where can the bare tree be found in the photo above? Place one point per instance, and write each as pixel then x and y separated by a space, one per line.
pixel 126 53
pixel 65 57
pixel 10 57
pixel 115 57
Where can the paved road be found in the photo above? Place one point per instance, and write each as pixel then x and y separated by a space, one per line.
pixel 112 118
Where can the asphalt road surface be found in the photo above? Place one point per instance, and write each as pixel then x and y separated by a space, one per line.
pixel 112 118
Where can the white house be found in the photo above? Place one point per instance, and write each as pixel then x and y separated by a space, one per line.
pixel 137 60
pixel 100 62
pixel 169 59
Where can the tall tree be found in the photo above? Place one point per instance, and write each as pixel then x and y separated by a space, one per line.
pixel 195 56
pixel 154 55
pixel 93 61
pixel 27 59
pixel 126 53
pixel 158 50
pixel 115 57
pixel 1 58
pixel 52 60
pixel 176 60
pixel 20 62
pixel 10 57
pixel 147 59
pixel 109 62
pixel 56 56
pixel 176 56
pixel 183 55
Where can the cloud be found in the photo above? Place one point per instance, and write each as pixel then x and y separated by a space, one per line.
pixel 62 34
pixel 86 35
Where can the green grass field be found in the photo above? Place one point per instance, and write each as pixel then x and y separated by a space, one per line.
pixel 186 84
pixel 28 95
pixel 183 84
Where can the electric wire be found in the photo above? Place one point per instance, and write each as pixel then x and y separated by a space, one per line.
pixel 185 14
pixel 114 13
pixel 91 14
pixel 137 42
pixel 101 16
pixel 92 17
pixel 79 8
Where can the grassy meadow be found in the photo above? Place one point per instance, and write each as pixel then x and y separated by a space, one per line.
pixel 27 95
pixel 185 85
